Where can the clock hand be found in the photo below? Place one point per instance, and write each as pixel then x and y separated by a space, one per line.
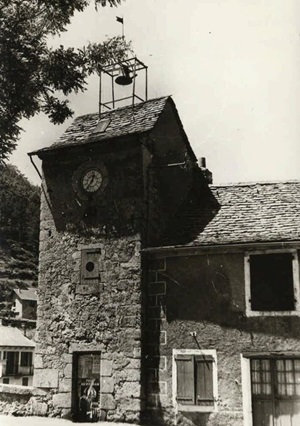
pixel 91 181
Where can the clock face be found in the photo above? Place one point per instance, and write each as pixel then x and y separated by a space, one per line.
pixel 92 180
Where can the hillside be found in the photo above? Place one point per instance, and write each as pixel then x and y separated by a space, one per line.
pixel 19 233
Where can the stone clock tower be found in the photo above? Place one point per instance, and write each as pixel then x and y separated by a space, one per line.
pixel 109 188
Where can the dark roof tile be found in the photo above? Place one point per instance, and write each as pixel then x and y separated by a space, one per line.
pixel 240 213
pixel 126 120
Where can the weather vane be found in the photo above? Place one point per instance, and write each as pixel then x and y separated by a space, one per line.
pixel 121 20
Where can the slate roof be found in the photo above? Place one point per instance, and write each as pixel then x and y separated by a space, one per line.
pixel 123 121
pixel 240 213
pixel 29 294
pixel 11 336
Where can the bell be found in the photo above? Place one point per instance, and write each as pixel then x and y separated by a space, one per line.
pixel 124 78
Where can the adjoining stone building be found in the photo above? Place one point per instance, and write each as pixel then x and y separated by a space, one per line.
pixel 163 298
pixel 227 312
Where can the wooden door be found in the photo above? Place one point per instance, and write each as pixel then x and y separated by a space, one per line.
pixel 275 387
pixel 86 387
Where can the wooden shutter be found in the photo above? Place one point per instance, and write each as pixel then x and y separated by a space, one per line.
pixel 185 379
pixel 90 265
pixel 204 380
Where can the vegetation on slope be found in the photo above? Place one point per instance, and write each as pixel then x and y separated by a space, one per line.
pixel 19 234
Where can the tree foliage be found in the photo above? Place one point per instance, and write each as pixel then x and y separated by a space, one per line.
pixel 35 77
pixel 19 209
pixel 19 234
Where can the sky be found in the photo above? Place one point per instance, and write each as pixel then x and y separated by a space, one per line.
pixel 231 66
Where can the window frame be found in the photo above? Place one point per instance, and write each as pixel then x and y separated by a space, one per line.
pixel 195 352
pixel 28 355
pixel 246 377
pixel 295 269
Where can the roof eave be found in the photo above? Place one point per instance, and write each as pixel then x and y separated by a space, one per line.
pixel 222 246
pixel 53 149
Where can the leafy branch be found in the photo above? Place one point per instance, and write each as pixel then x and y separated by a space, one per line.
pixel 33 76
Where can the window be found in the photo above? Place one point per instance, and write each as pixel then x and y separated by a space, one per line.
pixel 90 266
pixel 26 359
pixel 12 363
pixel 272 283
pixel 6 381
pixel 275 376
pixel 195 380
pixel 25 381
pixel 274 386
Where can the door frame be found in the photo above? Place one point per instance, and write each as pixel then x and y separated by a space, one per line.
pixel 74 398
pixel 246 390
pixel 246 378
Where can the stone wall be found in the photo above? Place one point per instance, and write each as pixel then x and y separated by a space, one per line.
pixel 170 176
pixel 144 187
pixel 203 295
pixel 22 401
pixel 103 314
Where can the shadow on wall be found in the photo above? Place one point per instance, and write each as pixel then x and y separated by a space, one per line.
pixel 208 287
pixel 211 287
pixel 198 209
pixel 117 210
pixel 192 216
pixel 202 286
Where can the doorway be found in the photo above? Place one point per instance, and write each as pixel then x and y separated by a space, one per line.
pixel 86 387
pixel 275 388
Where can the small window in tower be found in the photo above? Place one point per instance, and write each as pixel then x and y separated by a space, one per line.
pixel 90 271
pixel 90 267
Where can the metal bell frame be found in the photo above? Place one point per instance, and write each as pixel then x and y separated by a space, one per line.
pixel 113 71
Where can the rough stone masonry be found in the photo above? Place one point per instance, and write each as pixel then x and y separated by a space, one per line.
pixel 92 290
pixel 76 316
